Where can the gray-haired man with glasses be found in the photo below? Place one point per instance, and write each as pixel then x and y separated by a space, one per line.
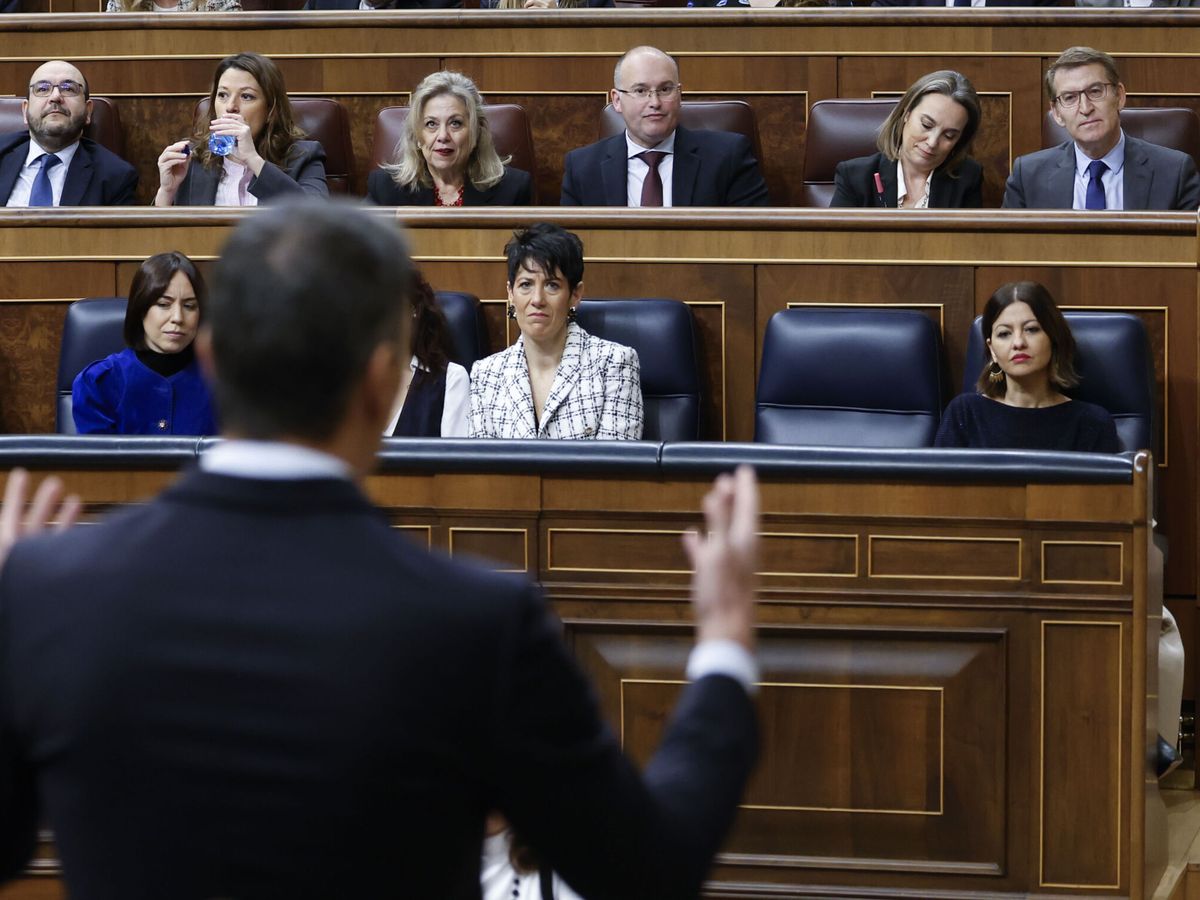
pixel 53 164
pixel 656 161
pixel 1101 167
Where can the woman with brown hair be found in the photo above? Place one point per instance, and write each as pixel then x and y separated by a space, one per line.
pixel 251 152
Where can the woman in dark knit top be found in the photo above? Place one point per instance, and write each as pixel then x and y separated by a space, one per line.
pixel 1029 361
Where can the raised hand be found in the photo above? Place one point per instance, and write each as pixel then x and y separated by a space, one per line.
pixel 49 509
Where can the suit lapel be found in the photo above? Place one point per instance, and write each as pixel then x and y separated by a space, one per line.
pixel 686 169
pixel 891 189
pixel 614 172
pixel 10 167
pixel 518 393
pixel 79 176
pixel 202 186
pixel 565 378
pixel 1136 179
pixel 1062 180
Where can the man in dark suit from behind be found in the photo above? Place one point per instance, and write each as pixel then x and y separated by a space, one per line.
pixel 53 164
pixel 252 687
pixel 656 161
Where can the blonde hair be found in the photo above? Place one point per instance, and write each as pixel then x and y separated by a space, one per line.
pixel 484 165
pixel 952 84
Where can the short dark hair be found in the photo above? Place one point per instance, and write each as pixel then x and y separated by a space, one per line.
pixel 1046 311
pixel 303 294
pixel 150 283
pixel 550 248
pixel 431 334
pixel 1073 57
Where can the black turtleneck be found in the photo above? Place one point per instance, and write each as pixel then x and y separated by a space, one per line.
pixel 166 364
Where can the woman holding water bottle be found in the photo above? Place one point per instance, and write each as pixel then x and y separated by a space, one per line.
pixel 251 152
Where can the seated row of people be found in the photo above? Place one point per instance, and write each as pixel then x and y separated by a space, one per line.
pixel 558 381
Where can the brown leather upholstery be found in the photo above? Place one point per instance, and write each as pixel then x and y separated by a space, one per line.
pixel 1174 127
pixel 105 128
pixel 838 130
pixel 508 123
pixel 323 120
pixel 701 115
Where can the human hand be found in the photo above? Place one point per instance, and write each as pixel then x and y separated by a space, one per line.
pixel 244 153
pixel 172 166
pixel 48 503
pixel 725 560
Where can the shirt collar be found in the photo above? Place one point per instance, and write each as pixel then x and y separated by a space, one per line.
pixel 902 187
pixel 632 149
pixel 36 150
pixel 272 460
pixel 1114 158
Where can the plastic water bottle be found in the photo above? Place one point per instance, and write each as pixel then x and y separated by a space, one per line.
pixel 221 144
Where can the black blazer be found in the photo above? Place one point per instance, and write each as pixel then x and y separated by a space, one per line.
pixel 306 705
pixel 305 175
pixel 514 189
pixel 942 3
pixel 854 184
pixel 711 168
pixel 96 177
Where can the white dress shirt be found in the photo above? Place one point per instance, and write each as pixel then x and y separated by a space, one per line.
pixel 1113 180
pixel 902 189
pixel 975 3
pixel 29 172
pixel 457 406
pixel 638 169
pixel 228 193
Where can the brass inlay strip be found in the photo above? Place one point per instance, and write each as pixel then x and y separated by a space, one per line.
pixel 945 538
pixel 428 529
pixel 1118 544
pixel 478 530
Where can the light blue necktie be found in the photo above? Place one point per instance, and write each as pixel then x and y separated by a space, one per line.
pixel 42 193
pixel 1095 189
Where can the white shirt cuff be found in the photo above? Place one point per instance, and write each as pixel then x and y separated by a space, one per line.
pixel 724 658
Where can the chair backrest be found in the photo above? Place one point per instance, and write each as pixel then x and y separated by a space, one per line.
pixel 663 334
pixel 104 129
pixel 736 116
pixel 1174 127
pixel 323 119
pixel 507 122
pixel 849 378
pixel 1115 367
pixel 93 329
pixel 468 328
pixel 838 130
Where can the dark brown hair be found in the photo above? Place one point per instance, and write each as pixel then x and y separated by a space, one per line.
pixel 950 84
pixel 150 283
pixel 431 335
pixel 1046 311
pixel 1073 57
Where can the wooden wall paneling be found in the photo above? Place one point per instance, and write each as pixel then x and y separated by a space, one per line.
pixel 30 335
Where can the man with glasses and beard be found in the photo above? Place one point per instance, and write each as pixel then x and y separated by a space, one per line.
pixel 1101 167
pixel 52 164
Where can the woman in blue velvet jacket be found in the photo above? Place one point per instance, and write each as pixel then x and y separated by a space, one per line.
pixel 154 385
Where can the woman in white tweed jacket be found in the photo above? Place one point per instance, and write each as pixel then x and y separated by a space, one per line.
pixel 556 381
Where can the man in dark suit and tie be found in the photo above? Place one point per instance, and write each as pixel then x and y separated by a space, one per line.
pixel 656 161
pixel 252 687
pixel 52 164
pixel 1101 167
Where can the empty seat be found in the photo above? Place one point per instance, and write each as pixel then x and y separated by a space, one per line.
pixel 849 378
pixel 1115 367
pixel 323 120
pixel 1174 127
pixel 94 328
pixel 838 130
pixel 736 116
pixel 104 129
pixel 663 334
pixel 468 328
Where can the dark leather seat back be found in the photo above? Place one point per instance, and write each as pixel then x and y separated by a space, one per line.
pixel 849 378
pixel 1115 367
pixel 663 334
pixel 104 129
pixel 838 130
pixel 507 122
pixel 94 328
pixel 736 116
pixel 323 120
pixel 468 328
pixel 1174 127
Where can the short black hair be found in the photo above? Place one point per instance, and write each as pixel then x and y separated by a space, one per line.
pixel 150 283
pixel 302 296
pixel 548 247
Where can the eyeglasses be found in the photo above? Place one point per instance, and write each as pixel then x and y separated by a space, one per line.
pixel 1095 92
pixel 46 88
pixel 662 92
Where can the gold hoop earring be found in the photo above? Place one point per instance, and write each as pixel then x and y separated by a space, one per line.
pixel 996 375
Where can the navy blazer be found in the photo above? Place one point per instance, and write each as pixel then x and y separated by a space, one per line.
pixel 305 704
pixel 514 189
pixel 305 175
pixel 1154 178
pixel 96 176
pixel 711 168
pixel 854 184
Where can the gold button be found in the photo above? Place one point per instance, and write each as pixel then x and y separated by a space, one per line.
pixel 162 424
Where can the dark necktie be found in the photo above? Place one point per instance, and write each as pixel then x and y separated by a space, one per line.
pixel 652 191
pixel 1095 189
pixel 42 193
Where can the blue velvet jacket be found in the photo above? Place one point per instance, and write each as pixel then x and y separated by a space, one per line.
pixel 119 395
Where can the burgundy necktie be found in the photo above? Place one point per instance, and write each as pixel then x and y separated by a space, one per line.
pixel 652 186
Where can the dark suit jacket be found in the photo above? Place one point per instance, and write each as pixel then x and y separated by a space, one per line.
pixel 301 704
pixel 391 4
pixel 1155 178
pixel 305 175
pixel 514 189
pixel 96 177
pixel 854 184
pixel 711 168
pixel 942 3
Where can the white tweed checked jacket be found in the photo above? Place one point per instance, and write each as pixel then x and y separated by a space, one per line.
pixel 597 393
